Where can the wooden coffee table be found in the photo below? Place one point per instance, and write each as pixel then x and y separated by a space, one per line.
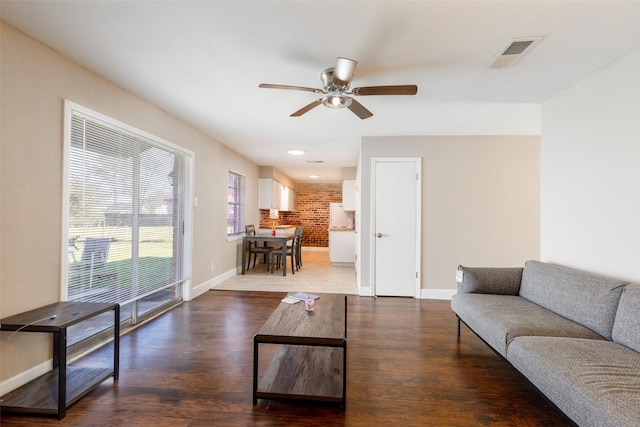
pixel 311 361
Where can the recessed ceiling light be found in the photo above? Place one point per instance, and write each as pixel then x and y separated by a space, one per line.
pixel 296 152
pixel 314 176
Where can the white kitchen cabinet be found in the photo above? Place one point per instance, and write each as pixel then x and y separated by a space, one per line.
pixel 287 199
pixel 342 246
pixel 269 193
pixel 349 194
pixel 273 195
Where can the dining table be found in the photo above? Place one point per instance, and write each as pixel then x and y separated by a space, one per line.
pixel 267 237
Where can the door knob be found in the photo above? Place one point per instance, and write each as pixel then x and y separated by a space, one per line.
pixel 379 235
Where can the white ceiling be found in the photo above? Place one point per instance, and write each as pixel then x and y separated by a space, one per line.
pixel 202 61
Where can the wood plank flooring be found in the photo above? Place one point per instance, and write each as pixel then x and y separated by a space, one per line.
pixel 192 366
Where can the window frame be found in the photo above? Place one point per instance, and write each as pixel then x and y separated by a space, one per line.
pixel 241 205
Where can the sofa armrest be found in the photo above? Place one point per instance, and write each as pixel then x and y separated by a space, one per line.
pixel 499 281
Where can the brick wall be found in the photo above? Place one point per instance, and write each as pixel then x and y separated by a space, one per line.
pixel 311 210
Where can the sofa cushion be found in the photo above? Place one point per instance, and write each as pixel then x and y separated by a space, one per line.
pixel 594 382
pixel 586 298
pixel 626 328
pixel 499 281
pixel 500 318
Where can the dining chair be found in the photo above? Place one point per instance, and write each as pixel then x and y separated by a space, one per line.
pixel 299 248
pixel 292 251
pixel 254 249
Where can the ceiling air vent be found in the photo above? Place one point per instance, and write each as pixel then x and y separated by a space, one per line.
pixel 513 52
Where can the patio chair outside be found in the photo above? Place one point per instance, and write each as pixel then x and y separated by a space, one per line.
pixel 94 255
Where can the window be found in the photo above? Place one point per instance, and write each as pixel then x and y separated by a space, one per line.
pixel 127 207
pixel 235 204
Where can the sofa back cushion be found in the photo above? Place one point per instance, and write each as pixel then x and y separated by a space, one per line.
pixel 585 298
pixel 626 328
pixel 489 280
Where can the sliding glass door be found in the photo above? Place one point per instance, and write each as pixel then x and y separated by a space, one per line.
pixel 127 207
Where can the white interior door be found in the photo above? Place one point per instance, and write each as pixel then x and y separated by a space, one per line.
pixel 396 210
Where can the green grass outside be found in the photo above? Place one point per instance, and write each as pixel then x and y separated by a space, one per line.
pixel 154 241
pixel 155 257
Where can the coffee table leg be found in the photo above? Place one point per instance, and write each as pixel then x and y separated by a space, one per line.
pixel 255 370
pixel 344 377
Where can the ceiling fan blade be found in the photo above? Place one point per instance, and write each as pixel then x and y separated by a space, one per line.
pixel 306 89
pixel 343 71
pixel 386 90
pixel 359 110
pixel 307 107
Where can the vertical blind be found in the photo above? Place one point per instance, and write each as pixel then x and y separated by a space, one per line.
pixel 125 213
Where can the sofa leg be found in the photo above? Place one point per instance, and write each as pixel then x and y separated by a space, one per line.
pixel 458 325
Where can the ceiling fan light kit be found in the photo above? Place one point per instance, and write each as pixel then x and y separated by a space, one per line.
pixel 335 82
pixel 336 100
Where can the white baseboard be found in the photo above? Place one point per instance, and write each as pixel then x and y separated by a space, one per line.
pixel 211 283
pixel 22 378
pixel 445 294
pixel 365 291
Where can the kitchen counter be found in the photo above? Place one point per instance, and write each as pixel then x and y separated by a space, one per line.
pixel 281 230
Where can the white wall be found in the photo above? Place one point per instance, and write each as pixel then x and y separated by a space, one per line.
pixel 590 187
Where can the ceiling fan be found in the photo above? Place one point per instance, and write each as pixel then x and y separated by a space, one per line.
pixel 335 82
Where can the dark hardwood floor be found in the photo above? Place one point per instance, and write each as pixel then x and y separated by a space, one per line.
pixel 405 367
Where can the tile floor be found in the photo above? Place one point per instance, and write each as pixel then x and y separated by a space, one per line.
pixel 316 275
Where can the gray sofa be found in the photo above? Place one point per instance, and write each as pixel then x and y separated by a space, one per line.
pixel 574 335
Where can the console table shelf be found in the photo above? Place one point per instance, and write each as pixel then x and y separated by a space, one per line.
pixel 40 396
pixel 53 392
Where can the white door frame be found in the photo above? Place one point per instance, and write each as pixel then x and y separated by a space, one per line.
pixel 418 216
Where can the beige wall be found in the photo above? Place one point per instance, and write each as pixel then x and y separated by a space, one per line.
pixel 480 202
pixel 34 82
pixel 277 174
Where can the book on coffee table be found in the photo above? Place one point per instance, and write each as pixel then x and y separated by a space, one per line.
pixel 302 296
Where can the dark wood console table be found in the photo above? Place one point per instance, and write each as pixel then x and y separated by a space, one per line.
pixel 53 392
pixel 311 363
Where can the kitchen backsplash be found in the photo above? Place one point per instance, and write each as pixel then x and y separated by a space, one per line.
pixel 311 210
